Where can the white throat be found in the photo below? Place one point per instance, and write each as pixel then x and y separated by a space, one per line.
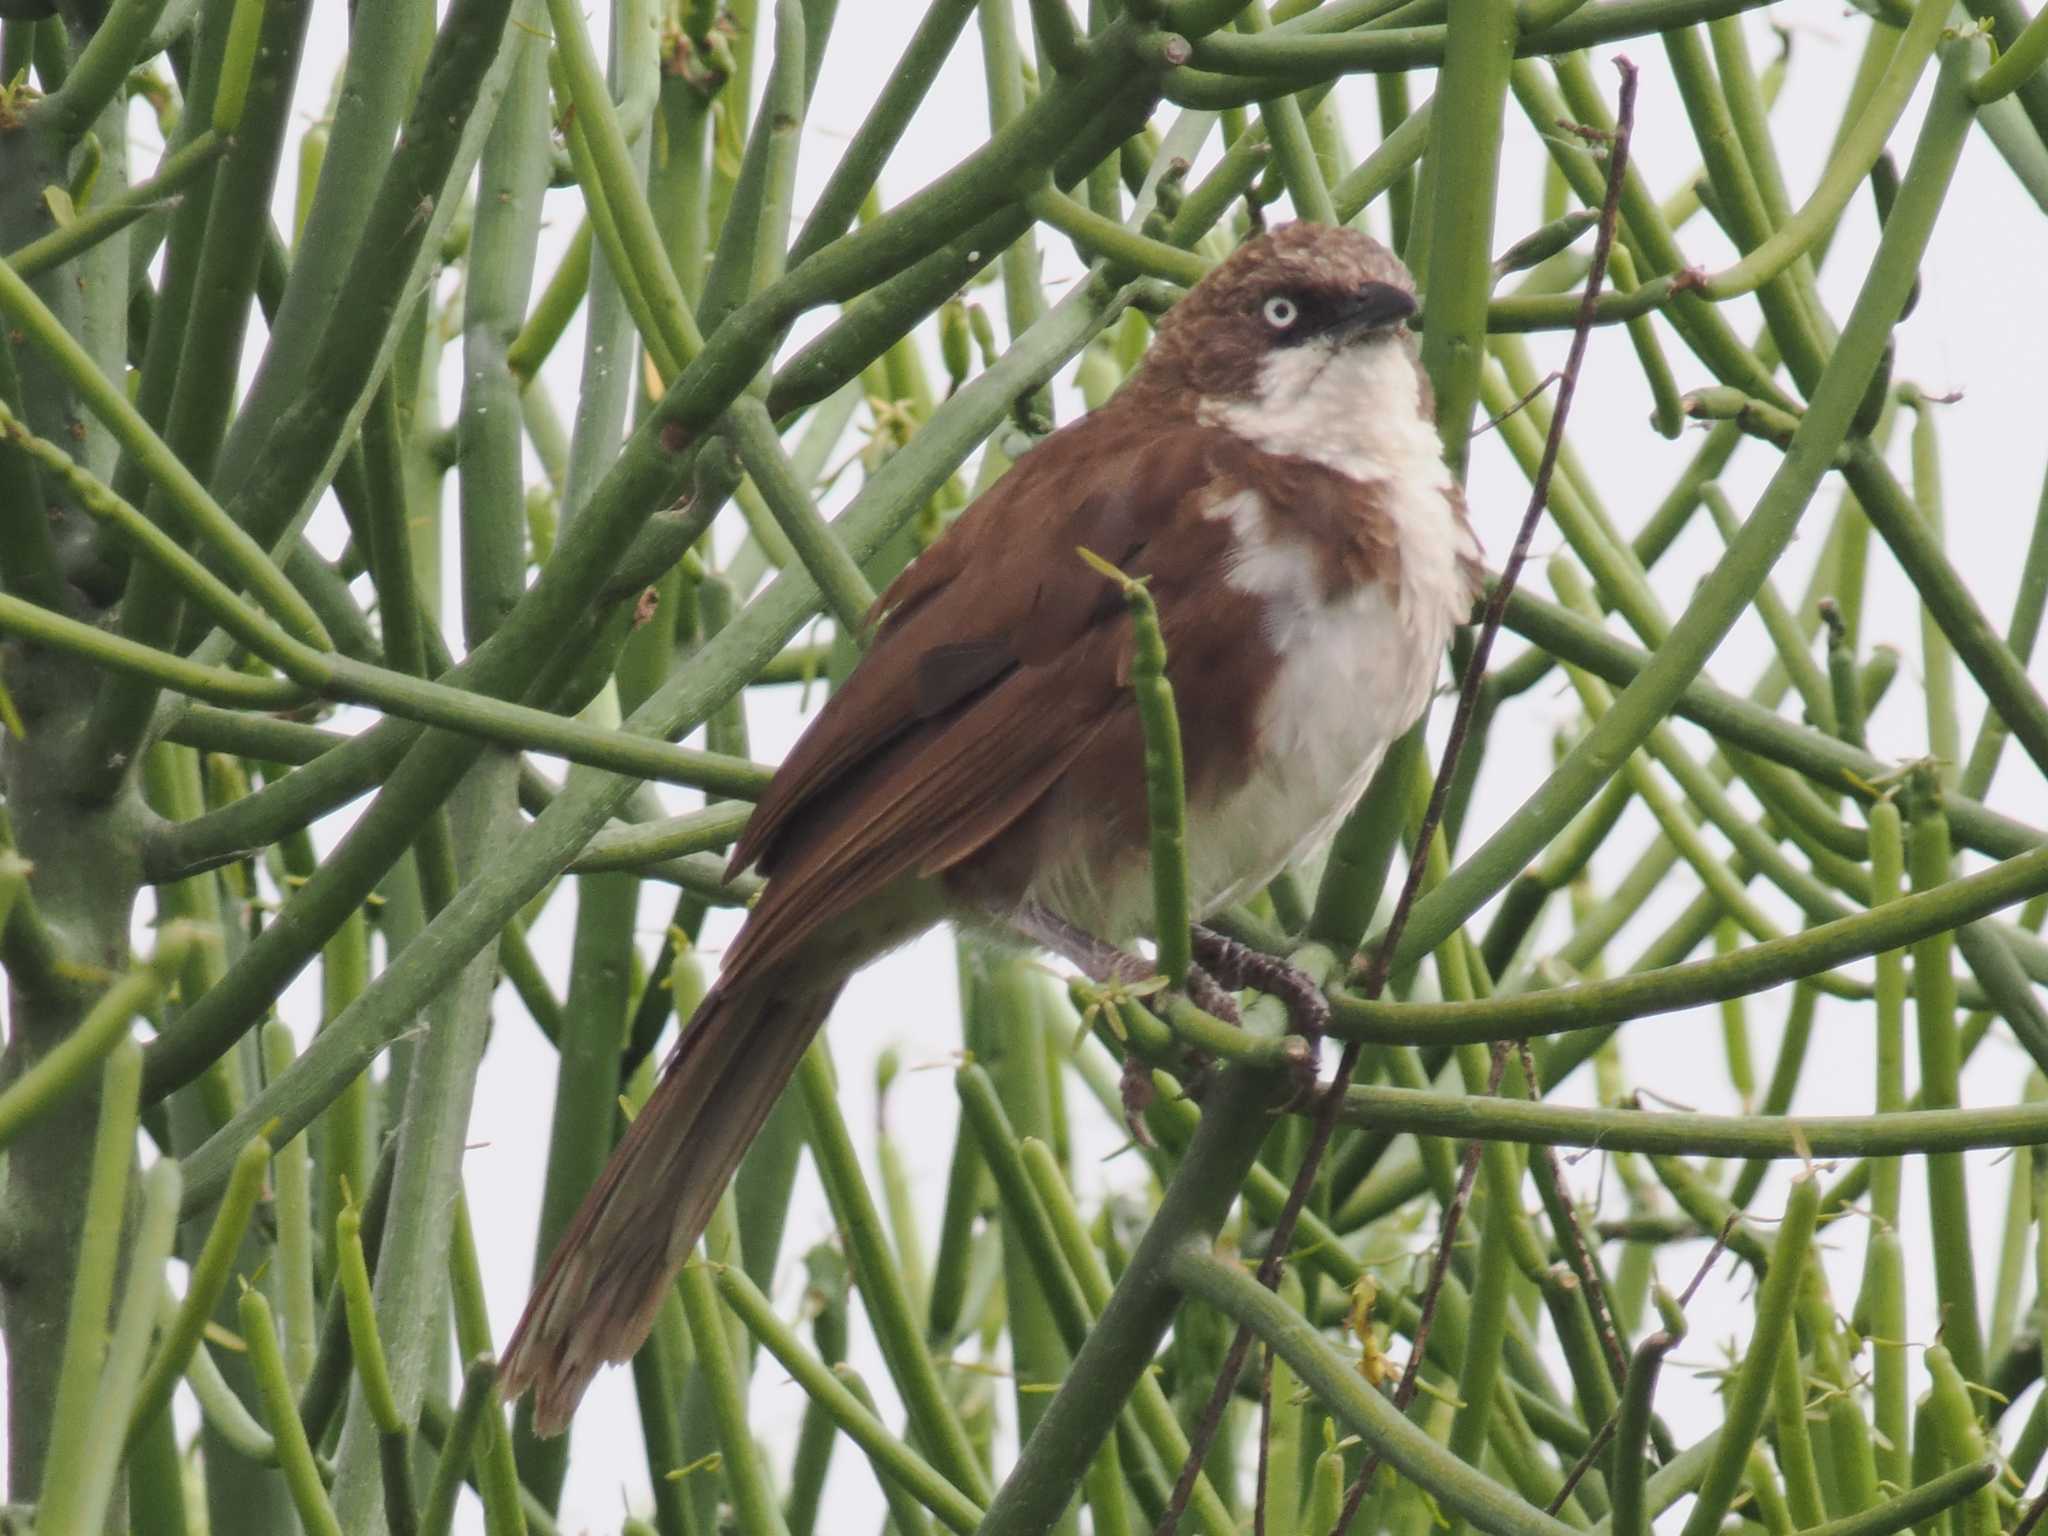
pixel 1357 409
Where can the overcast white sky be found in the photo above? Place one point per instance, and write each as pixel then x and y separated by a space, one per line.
pixel 1981 330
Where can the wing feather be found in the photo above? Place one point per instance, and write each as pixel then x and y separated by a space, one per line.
pixel 977 695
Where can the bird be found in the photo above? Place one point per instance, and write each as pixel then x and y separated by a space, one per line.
pixel 1272 471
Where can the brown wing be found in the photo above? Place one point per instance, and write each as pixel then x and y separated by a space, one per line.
pixel 978 693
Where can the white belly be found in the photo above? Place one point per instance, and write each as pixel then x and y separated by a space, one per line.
pixel 1352 677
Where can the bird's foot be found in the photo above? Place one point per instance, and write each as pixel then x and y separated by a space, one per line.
pixel 1235 964
pixel 1136 1090
pixel 1212 997
pixel 1107 965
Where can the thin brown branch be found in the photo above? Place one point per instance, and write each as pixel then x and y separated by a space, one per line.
pixel 1573 1238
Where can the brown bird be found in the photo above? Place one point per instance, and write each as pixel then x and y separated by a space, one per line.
pixel 1273 470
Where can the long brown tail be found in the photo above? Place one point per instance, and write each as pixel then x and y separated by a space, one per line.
pixel 598 1299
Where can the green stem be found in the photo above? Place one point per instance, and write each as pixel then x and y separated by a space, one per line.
pixel 177 171
pixel 826 1388
pixel 77 1502
pixel 1337 1384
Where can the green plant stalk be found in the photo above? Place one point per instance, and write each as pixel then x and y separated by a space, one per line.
pixel 1929 1132
pixel 412 1262
pixel 508 1506
pixel 936 1424
pixel 1720 598
pixel 1486 1325
pixel 1280 1470
pixel 190 367
pixel 1884 1302
pixel 1928 859
pixel 1794 1445
pixel 207 1278
pixel 1785 1073
pixel 1962 1441
pixel 1362 851
pixel 177 171
pixel 1043 1312
pixel 1451 1482
pixel 863 157
pixel 955 1509
pixel 359 1307
pixel 247 559
pixel 1929 911
pixel 345 1135
pixel 1165 779
pixel 746 1480
pixel 292 1201
pixel 2016 64
pixel 375 228
pixel 1914 543
pixel 512 178
pixel 222 1413
pixel 1627 1482
pixel 2021 633
pixel 1787 636
pixel 76 1503
pixel 2014 1247
pixel 906 1514
pixel 1851 1469
pixel 1677 825
pixel 61 1072
pixel 820 1434
pixel 641 844
pixel 1834 765
pixel 1149 1405
pixel 71 1436
pixel 1119 1349
pixel 1750 1392
pixel 1287 132
pixel 1464 166
pixel 99 70
pixel 581 1130
pixel 437 1510
pixel 846 590
pixel 534 341
pixel 294 1455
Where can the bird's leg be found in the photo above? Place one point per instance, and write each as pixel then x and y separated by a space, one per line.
pixel 1239 965
pixel 1102 962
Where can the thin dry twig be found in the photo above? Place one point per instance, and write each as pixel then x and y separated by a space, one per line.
pixel 1573 1237
pixel 1607 1430
pixel 2033 1516
pixel 1374 978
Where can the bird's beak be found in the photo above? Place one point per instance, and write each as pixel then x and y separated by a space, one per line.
pixel 1374 307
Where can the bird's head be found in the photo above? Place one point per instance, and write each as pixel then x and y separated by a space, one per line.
pixel 1284 304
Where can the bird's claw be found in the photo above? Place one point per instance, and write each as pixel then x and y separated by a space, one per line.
pixel 1239 965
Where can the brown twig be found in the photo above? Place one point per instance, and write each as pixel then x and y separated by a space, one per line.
pixel 2032 1517
pixel 1585 1462
pixel 1573 1239
pixel 1651 1353
pixel 1374 979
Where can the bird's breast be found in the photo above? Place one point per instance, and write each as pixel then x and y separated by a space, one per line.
pixel 1351 673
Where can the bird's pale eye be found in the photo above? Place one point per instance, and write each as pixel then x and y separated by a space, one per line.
pixel 1281 312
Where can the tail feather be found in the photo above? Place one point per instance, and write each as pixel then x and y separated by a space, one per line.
pixel 596 1301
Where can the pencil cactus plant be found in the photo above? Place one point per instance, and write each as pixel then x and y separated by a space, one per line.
pixel 239 1277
